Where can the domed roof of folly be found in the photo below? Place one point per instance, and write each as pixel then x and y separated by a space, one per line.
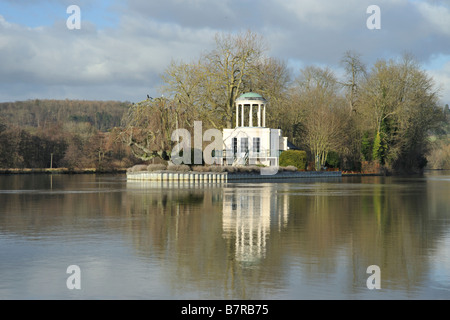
pixel 250 96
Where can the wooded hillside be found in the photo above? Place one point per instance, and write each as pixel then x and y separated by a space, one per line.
pixel 102 115
pixel 62 133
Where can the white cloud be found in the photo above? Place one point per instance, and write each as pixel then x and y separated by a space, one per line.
pixel 128 58
pixel 133 55
pixel 4 24
pixel 442 80
pixel 325 14
pixel 436 15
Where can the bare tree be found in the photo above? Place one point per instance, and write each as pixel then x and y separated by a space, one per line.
pixel 401 102
pixel 229 64
pixel 324 120
pixel 355 72
pixel 271 78
pixel 184 83
pixel 148 127
pixel 213 83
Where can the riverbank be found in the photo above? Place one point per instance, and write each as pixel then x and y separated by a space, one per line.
pixel 124 170
pixel 361 174
pixel 61 171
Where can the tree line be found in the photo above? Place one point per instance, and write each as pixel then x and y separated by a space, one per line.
pixel 380 115
pixel 386 115
pixel 63 133
pixel 102 115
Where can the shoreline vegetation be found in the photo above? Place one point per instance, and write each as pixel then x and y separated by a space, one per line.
pixel 379 119
pixel 60 171
pixel 140 168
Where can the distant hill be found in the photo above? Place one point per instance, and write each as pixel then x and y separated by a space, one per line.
pixel 70 134
pixel 102 115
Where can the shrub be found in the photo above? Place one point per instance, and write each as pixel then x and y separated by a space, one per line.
pixel 156 167
pixel 294 158
pixel 200 169
pixel 242 169
pixel 229 169
pixel 179 168
pixel 439 157
pixel 371 167
pixel 254 169
pixel 248 169
pixel 333 160
pixel 138 168
pixel 216 169
pixel 208 169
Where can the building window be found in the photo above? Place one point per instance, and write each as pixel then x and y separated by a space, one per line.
pixel 244 145
pixel 256 145
pixel 234 145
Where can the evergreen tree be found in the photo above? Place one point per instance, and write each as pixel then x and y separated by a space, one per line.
pixel 376 151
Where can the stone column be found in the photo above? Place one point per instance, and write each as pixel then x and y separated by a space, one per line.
pixel 237 115
pixel 242 115
pixel 250 117
pixel 264 116
pixel 259 115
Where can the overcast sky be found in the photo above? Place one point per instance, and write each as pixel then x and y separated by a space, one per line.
pixel 123 46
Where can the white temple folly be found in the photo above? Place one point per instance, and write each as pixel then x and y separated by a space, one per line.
pixel 250 142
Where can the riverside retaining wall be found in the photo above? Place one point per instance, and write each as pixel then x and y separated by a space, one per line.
pixel 224 177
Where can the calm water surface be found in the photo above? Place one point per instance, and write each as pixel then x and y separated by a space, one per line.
pixel 302 240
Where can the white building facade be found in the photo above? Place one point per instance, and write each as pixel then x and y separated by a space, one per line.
pixel 250 142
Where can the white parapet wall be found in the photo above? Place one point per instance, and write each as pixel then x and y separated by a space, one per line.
pixel 223 177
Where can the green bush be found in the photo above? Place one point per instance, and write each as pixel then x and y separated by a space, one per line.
pixel 333 160
pixel 295 158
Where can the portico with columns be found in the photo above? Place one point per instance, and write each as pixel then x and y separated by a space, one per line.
pixel 251 142
pixel 249 101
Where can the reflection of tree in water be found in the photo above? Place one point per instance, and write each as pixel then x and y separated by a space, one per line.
pixel 69 204
pixel 384 224
pixel 235 246
pixel 225 243
pixel 392 232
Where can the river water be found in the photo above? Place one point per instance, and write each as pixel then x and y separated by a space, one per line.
pixel 309 239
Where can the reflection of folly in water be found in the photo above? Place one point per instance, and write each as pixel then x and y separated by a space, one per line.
pixel 248 214
pixel 215 238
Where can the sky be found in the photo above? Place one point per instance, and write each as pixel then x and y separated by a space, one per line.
pixel 122 47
